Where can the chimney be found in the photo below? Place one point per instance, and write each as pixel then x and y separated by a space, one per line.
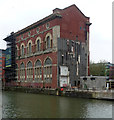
pixel 57 10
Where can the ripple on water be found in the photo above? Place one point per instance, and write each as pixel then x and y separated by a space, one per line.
pixel 22 105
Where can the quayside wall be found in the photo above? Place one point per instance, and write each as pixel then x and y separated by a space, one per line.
pixel 90 94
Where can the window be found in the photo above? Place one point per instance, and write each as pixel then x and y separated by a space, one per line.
pixel 29 47
pixel 22 72
pixel 29 71
pixel 38 45
pixel 48 41
pixel 48 70
pixel 47 25
pixel 16 71
pixel 38 71
pixel 22 50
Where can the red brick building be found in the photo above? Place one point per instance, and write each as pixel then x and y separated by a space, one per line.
pixel 36 47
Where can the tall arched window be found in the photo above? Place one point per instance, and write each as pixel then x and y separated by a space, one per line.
pixel 48 70
pixel 38 45
pixel 29 71
pixel 16 68
pixel 22 50
pixel 38 71
pixel 22 72
pixel 29 47
pixel 48 41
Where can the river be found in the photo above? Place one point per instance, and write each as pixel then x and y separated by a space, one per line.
pixel 27 105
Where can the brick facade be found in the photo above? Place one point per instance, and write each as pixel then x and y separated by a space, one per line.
pixel 39 41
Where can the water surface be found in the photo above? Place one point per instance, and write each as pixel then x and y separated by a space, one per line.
pixel 27 105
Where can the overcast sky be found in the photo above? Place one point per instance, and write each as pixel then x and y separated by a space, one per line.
pixel 17 14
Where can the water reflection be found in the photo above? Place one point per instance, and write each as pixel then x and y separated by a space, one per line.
pixel 26 105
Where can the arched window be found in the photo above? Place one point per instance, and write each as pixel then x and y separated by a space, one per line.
pixel 22 72
pixel 22 50
pixel 48 41
pixel 38 44
pixel 29 71
pixel 30 48
pixel 38 71
pixel 48 70
pixel 16 68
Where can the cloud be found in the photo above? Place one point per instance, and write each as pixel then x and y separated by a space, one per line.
pixel 17 14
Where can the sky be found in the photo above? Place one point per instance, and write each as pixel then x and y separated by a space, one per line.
pixel 18 14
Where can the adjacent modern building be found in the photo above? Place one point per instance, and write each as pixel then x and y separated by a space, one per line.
pixel 52 52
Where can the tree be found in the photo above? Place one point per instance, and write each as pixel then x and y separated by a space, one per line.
pixel 97 69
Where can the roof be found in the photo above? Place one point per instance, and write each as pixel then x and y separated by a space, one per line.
pixel 44 20
pixel 40 22
pixel 70 7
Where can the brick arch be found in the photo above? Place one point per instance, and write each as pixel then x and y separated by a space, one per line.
pixel 36 46
pixel 22 44
pixel 22 63
pixel 47 58
pixel 48 37
pixel 22 51
pixel 47 71
pixel 38 38
pixel 28 49
pixel 48 34
pixel 30 41
pixel 28 62
pixel 36 61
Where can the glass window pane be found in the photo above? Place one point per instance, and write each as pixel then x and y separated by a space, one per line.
pixel 29 48
pixel 38 45
pixel 48 42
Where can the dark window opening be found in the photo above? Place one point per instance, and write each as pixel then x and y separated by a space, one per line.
pixel 92 78
pixel 84 78
pixel 75 83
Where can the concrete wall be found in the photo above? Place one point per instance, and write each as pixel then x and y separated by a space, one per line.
pixel 98 83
